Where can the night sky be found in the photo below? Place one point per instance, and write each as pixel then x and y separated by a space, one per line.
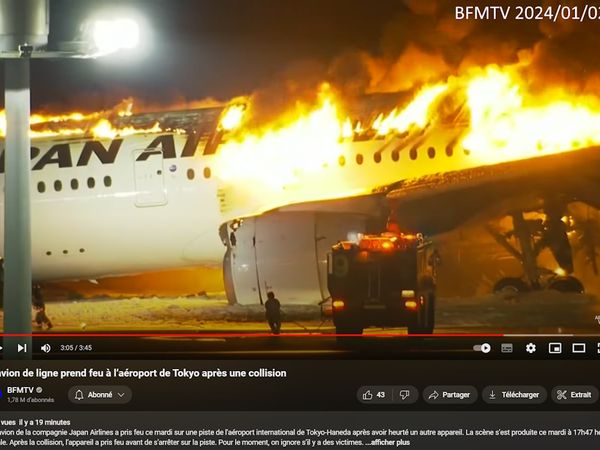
pixel 282 49
pixel 206 48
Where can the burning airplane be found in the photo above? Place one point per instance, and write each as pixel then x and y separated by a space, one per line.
pixel 121 193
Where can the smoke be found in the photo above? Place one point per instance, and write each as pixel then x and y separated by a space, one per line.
pixel 297 87
pixel 429 44
pixel 424 43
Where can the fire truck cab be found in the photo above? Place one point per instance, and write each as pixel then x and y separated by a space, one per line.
pixel 383 280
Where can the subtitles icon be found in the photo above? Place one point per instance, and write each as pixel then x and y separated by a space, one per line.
pixel 506 348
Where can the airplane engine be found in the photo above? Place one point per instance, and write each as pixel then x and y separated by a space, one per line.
pixel 285 252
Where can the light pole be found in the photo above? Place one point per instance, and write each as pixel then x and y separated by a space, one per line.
pixel 24 28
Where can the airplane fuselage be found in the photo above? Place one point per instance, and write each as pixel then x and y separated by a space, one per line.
pixel 127 205
pixel 104 207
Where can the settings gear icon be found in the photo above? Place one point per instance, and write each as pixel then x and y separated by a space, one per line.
pixel 531 348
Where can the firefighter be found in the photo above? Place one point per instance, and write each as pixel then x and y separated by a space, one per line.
pixel 273 312
pixel 41 319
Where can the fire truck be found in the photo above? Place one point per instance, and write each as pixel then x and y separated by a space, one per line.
pixel 385 280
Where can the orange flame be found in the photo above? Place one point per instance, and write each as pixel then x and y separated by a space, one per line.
pixel 232 117
pixel 416 114
pixel 504 128
pixel 506 123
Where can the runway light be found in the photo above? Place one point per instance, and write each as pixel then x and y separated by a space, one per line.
pixel 110 36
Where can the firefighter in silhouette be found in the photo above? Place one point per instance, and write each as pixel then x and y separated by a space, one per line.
pixel 41 319
pixel 273 312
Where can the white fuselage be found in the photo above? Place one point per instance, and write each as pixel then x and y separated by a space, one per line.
pixel 164 208
pixel 124 215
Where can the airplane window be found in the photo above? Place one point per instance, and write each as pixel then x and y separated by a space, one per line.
pixel 342 161
pixel 91 182
pixel 207 172
pixel 74 184
pixel 413 153
pixel 48 253
pixel 449 150
pixel 81 250
pixel 359 159
pixel 57 186
pixel 191 174
pixel 41 187
pixel 395 155
pixel 377 157
pixel 431 152
pixel 107 181
pixel 65 252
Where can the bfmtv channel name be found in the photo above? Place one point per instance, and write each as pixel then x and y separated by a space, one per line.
pixel 528 12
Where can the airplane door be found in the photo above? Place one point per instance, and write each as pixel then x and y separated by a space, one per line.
pixel 149 181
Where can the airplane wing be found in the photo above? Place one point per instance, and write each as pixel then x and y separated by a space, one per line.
pixel 440 202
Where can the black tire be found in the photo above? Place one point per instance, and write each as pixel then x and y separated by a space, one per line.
pixel 424 320
pixel 347 325
pixel 345 329
pixel 510 285
pixel 348 342
pixel 566 284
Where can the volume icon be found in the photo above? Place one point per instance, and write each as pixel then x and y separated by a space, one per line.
pixel 46 348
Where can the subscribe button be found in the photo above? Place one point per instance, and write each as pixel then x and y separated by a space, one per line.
pixel 100 395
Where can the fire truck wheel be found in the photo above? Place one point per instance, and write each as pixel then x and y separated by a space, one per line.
pixel 424 320
pixel 510 285
pixel 348 328
pixel 566 284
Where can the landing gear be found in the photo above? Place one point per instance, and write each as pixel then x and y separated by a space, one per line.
pixel 566 284
pixel 510 285
pixel 532 237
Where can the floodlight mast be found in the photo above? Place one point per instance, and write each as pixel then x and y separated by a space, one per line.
pixel 23 28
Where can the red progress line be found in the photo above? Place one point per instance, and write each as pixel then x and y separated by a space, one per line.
pixel 200 335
